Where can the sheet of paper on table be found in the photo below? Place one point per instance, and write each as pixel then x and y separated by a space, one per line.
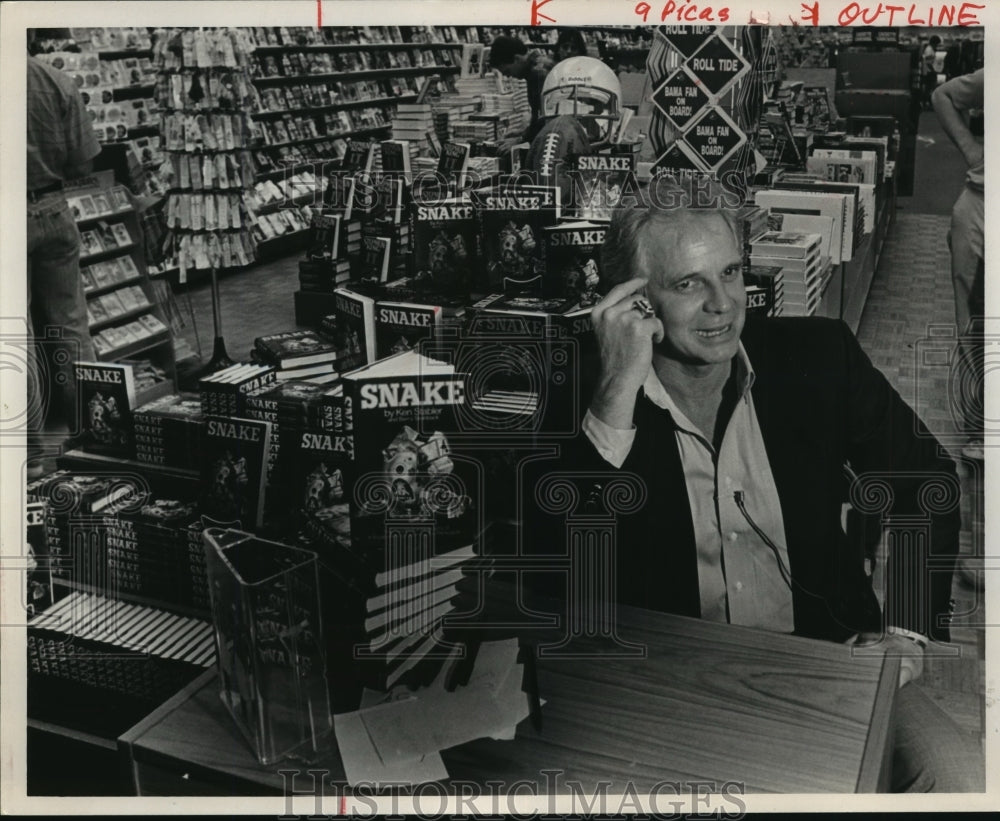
pixel 433 719
pixel 362 762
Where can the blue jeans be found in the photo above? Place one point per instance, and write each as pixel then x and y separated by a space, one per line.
pixel 56 311
pixel 931 753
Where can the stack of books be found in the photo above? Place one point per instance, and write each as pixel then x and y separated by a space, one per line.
pixel 473 88
pixel 395 160
pixel 751 222
pixel 38 592
pixel 298 355
pixel 469 130
pixel 291 408
pixel 89 494
pixel 451 109
pixel 413 121
pixel 72 497
pixel 765 289
pixel 510 97
pixel 397 232
pixel 860 208
pixel 798 256
pixel 353 239
pixel 337 415
pixel 78 641
pixel 168 431
pixel 323 275
pixel 839 201
pixel 149 554
pixel 237 459
pixel 843 165
pixel 352 328
pixel 332 240
pixel 424 168
pixel 415 516
pixel 483 168
pixel 147 374
pixel 288 406
pixel 224 392
pixel 316 478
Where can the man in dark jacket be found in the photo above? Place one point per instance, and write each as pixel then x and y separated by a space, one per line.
pixel 739 434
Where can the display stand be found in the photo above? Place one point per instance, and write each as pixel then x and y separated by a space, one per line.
pixel 126 320
pixel 220 359
pixel 206 96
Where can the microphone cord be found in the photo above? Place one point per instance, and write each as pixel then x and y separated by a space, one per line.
pixel 785 574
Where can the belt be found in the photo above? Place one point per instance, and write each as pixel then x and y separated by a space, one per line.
pixel 38 193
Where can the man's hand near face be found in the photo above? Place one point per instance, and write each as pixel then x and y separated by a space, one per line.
pixel 625 338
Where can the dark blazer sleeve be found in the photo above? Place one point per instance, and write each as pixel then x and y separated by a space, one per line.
pixel 632 525
pixel 574 485
pixel 905 476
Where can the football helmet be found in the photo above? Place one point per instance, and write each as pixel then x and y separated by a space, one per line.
pixel 587 89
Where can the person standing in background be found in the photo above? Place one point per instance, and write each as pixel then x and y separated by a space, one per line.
pixel 570 44
pixel 928 69
pixel 952 102
pixel 61 146
pixel 511 57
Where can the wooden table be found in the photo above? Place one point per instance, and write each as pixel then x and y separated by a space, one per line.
pixel 708 702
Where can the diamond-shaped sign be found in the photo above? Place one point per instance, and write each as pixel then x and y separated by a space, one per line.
pixel 679 157
pixel 680 98
pixel 661 61
pixel 687 39
pixel 717 64
pixel 714 137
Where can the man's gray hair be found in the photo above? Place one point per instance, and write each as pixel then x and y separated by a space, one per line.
pixel 666 206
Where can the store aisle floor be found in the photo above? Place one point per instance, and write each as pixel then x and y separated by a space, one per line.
pixel 908 327
pixel 254 302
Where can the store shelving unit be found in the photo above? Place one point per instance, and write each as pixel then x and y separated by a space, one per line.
pixel 329 91
pixel 113 69
pixel 105 215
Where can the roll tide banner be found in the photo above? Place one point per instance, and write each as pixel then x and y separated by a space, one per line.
pixel 699 75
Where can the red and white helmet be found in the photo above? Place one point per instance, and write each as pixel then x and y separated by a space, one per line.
pixel 587 89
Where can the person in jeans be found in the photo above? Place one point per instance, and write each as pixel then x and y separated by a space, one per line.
pixel 61 146
pixel 952 102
